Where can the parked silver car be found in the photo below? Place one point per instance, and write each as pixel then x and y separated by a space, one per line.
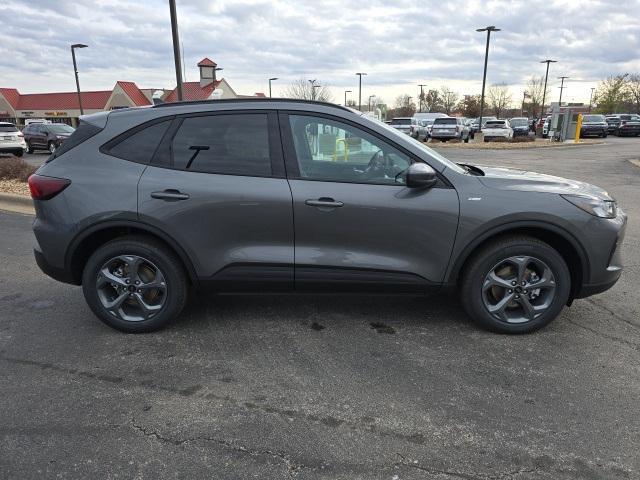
pixel 450 128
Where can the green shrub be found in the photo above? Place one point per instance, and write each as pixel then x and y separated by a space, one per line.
pixel 14 168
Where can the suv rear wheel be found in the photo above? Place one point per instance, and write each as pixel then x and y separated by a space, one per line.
pixel 516 284
pixel 134 284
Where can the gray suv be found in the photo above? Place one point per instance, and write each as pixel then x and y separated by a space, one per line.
pixel 140 206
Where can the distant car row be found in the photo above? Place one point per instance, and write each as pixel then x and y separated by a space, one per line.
pixel 36 136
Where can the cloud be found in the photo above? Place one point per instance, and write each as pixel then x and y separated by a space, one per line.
pixel 399 43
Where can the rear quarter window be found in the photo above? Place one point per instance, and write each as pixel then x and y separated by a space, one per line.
pixel 83 133
pixel 139 144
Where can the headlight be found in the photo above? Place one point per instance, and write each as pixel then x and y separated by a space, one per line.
pixel 597 207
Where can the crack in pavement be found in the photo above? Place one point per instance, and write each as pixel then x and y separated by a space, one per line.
pixel 629 344
pixel 293 468
pixel 614 314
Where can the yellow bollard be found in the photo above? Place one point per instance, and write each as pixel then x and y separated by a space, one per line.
pixel 578 128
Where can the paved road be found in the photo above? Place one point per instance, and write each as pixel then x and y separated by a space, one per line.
pixel 324 387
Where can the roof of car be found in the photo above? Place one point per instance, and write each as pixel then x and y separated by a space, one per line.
pixel 256 100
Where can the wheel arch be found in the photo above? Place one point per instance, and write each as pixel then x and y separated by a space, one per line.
pixel 560 239
pixel 91 238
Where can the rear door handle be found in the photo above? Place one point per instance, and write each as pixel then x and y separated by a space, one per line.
pixel 170 195
pixel 324 202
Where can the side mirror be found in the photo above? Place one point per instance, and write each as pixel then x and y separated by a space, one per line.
pixel 420 175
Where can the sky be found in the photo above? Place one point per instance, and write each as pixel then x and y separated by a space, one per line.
pixel 398 43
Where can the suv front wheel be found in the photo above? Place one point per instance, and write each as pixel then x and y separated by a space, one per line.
pixel 516 284
pixel 134 284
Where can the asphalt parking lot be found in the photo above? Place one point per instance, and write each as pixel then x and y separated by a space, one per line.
pixel 326 387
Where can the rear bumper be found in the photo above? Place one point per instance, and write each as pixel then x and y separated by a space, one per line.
pixel 56 273
pixel 12 147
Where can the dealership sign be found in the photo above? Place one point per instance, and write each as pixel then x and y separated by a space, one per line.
pixel 56 114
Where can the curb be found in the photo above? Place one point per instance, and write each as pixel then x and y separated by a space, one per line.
pixel 16 203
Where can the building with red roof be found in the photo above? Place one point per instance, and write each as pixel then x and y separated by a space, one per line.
pixel 64 107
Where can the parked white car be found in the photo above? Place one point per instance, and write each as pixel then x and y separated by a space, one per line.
pixel 497 129
pixel 11 139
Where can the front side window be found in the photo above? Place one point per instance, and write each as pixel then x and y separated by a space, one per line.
pixel 233 144
pixel 333 151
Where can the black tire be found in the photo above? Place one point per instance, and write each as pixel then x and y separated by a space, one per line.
pixel 482 263
pixel 157 254
pixel 29 147
pixel 19 153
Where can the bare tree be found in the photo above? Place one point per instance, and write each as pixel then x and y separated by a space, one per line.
pixel 470 106
pixel 534 91
pixel 499 98
pixel 308 90
pixel 612 94
pixel 449 99
pixel 633 87
pixel 404 106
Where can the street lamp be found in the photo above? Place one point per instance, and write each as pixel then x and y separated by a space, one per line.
pixel 360 74
pixel 544 92
pixel 345 96
pixel 176 46
pixel 75 70
pixel 591 98
pixel 271 80
pixel 488 29
pixel 421 85
pixel 561 87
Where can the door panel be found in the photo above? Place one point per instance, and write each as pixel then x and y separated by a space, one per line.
pixel 379 228
pixel 225 223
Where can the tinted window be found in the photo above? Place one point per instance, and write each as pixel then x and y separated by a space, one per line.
pixel 81 134
pixel 333 151
pixel 61 129
pixel 8 128
pixel 140 146
pixel 445 121
pixel 592 118
pixel 494 124
pixel 228 144
pixel 401 121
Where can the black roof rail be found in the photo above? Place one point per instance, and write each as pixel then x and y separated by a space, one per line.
pixel 249 100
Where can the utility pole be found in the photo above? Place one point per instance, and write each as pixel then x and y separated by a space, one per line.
pixel 176 46
pixel 544 92
pixel 360 74
pixel 561 88
pixel 488 29
pixel 524 96
pixel 421 85
pixel 75 70
pixel 591 98
pixel 345 96
pixel 370 97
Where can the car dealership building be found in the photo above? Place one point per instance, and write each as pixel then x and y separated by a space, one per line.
pixel 63 107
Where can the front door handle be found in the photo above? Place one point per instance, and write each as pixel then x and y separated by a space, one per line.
pixel 170 195
pixel 324 202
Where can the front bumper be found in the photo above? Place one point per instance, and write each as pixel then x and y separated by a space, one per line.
pixel 605 274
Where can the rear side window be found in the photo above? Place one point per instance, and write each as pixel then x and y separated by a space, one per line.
pixel 84 132
pixel 141 145
pixel 233 144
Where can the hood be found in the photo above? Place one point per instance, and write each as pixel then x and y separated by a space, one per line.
pixel 508 179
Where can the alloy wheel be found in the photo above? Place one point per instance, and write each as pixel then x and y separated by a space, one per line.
pixel 518 289
pixel 131 288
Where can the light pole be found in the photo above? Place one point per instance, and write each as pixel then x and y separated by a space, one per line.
pixel 75 70
pixel 370 97
pixel 544 92
pixel 524 96
pixel 561 89
pixel 271 80
pixel 591 98
pixel 176 46
pixel 488 29
pixel 421 85
pixel 360 74
pixel 345 96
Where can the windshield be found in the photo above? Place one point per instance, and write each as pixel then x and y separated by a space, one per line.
pixel 445 121
pixel 8 128
pixel 401 121
pixel 401 138
pixel 495 124
pixel 593 118
pixel 60 128
pixel 519 122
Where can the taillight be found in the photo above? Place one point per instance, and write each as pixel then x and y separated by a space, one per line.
pixel 20 134
pixel 44 188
